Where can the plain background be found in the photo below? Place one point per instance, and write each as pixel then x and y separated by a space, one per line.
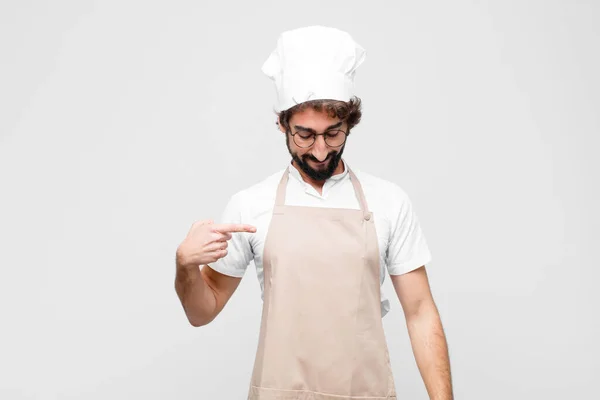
pixel 122 123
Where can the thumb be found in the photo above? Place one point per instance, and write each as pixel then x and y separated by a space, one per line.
pixel 206 222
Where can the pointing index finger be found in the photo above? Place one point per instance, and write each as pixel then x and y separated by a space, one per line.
pixel 225 228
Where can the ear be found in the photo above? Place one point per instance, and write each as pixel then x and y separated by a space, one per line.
pixel 281 128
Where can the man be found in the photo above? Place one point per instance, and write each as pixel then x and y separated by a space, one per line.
pixel 322 236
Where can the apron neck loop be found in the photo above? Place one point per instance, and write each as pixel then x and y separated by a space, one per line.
pixel 280 199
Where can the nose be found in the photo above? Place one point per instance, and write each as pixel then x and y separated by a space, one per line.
pixel 320 149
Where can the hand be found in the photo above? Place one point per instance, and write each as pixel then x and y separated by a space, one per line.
pixel 206 242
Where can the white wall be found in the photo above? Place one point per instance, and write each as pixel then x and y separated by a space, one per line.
pixel 121 123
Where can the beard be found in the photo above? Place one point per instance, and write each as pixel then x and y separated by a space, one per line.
pixel 333 160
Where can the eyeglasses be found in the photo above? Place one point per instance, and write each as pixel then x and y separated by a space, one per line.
pixel 333 138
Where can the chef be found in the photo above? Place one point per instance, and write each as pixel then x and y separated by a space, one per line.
pixel 322 236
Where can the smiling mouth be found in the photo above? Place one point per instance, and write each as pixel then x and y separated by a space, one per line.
pixel 321 163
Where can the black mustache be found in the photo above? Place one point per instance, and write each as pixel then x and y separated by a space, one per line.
pixel 311 157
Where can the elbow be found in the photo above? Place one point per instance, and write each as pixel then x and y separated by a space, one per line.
pixel 197 322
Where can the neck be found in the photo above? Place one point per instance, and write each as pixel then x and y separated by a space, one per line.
pixel 318 184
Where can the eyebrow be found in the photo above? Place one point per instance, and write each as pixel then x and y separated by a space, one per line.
pixel 302 128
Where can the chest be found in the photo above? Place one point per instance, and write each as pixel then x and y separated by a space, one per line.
pixel 340 194
pixel 263 221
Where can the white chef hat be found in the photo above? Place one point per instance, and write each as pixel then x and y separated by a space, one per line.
pixel 312 63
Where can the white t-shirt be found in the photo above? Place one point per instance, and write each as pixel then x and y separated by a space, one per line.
pixel 402 245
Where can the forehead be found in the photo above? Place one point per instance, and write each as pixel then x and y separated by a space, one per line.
pixel 309 118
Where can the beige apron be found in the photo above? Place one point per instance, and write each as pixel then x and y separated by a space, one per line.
pixel 321 334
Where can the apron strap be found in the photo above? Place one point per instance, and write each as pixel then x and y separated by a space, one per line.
pixel 358 191
pixel 280 199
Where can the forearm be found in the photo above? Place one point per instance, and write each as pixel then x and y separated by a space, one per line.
pixel 431 351
pixel 196 296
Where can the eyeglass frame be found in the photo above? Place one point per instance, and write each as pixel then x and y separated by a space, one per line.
pixel 314 135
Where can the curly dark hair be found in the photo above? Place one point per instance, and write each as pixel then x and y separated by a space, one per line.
pixel 349 111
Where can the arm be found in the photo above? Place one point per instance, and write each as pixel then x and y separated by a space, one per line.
pixel 203 292
pixel 426 333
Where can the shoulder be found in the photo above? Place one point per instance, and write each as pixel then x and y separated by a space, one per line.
pixel 380 189
pixel 252 198
pixel 264 187
pixel 387 199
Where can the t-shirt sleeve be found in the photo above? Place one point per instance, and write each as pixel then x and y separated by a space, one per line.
pixel 407 247
pixel 239 250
